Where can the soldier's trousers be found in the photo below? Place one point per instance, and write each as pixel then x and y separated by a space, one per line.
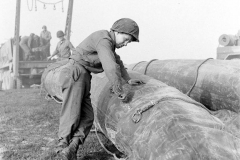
pixel 47 45
pixel 26 51
pixel 77 116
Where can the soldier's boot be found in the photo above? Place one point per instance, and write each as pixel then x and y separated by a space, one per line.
pixel 61 145
pixel 70 152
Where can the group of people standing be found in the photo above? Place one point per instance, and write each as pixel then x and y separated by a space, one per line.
pixel 34 47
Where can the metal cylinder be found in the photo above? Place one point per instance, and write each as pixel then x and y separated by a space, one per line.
pixel 217 81
pixel 159 122
pixel 55 79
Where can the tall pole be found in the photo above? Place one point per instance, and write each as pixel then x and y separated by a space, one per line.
pixel 69 20
pixel 16 40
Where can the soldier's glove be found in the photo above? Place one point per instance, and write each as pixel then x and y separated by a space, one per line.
pixel 135 82
pixel 49 58
pixel 126 94
pixel 121 94
pixel 123 97
pixel 117 89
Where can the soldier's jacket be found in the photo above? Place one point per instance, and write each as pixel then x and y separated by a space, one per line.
pixel 46 35
pixel 26 40
pixel 97 54
pixel 26 43
pixel 64 48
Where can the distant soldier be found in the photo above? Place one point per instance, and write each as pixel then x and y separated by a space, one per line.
pixel 25 45
pixel 45 37
pixel 35 48
pixel 63 49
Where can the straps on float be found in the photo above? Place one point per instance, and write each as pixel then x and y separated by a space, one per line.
pixel 196 78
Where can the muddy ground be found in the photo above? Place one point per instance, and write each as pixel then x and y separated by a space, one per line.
pixel 29 125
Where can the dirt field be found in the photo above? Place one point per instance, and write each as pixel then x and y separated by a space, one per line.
pixel 28 128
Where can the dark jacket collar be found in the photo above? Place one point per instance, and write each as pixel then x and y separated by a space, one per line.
pixel 112 35
pixel 61 41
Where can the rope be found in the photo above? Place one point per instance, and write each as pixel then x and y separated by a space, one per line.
pixel 50 3
pixel 55 98
pixel 105 149
pixel 188 93
pixel 99 140
pixel 137 64
pixel 136 117
pixel 96 132
pixel 28 6
pixel 49 97
pixel 54 7
pixel 145 70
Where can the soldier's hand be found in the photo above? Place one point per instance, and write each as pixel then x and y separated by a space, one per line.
pixel 49 58
pixel 135 82
pixel 117 89
pixel 123 97
pixel 123 94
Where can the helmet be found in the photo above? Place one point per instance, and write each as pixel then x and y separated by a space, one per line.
pixel 60 34
pixel 32 34
pixel 35 36
pixel 44 26
pixel 128 26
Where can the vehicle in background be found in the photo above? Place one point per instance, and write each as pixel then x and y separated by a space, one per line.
pixel 16 73
pixel 229 47
pixel 29 72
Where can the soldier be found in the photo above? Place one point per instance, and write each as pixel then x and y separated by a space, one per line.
pixel 26 45
pixel 94 54
pixel 45 37
pixel 63 47
pixel 35 48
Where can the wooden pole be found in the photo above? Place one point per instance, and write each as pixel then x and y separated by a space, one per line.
pixel 69 20
pixel 16 40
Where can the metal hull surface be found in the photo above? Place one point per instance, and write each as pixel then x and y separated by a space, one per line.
pixel 217 81
pixel 172 126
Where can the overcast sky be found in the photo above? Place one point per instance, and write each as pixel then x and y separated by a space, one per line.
pixel 169 29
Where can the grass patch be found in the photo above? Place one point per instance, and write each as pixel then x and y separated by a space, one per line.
pixel 29 126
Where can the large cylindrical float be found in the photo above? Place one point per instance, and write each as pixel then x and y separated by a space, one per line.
pixel 53 78
pixel 214 83
pixel 160 122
